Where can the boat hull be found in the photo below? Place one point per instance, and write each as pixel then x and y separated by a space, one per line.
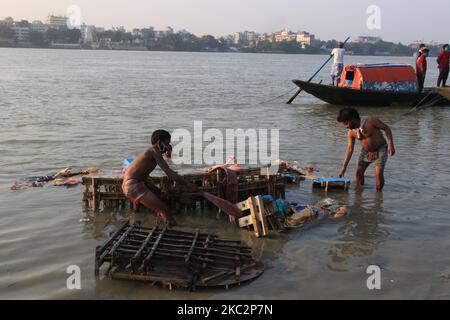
pixel 352 97
pixel 445 92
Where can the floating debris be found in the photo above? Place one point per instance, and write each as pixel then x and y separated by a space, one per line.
pixel 262 214
pixel 65 177
pixel 175 258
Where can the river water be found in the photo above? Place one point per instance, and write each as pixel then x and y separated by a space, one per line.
pixel 94 108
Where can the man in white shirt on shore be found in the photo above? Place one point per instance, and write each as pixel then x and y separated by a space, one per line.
pixel 338 63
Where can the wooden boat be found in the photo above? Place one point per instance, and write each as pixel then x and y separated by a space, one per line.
pixel 374 85
pixel 445 92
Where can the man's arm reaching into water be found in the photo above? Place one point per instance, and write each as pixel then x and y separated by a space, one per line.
pixel 348 153
pixel 381 125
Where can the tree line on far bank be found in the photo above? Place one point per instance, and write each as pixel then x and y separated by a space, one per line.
pixel 178 41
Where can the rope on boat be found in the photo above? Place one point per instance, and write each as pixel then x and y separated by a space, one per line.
pixel 278 97
pixel 419 107
pixel 415 108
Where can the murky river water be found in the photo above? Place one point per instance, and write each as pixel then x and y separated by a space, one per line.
pixel 94 108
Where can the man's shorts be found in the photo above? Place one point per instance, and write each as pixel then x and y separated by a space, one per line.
pixel 380 161
pixel 134 190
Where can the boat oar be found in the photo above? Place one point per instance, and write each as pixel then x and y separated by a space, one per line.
pixel 314 75
pixel 224 205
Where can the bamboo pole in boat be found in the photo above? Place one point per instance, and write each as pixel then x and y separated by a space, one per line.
pixel 314 75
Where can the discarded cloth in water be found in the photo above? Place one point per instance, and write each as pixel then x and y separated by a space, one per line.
pixel 300 215
pixel 66 182
pixel 66 177
pixel 300 218
pixel 40 179
pixel 281 206
pixel 27 184
pixel 333 209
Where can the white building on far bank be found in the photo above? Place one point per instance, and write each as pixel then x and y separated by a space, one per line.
pixel 56 22
pixel 89 34
pixel 38 26
pixel 22 34
pixel 305 39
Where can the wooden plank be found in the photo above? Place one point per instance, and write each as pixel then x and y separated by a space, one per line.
pixel 262 216
pixel 198 271
pixel 229 273
pixel 94 194
pixel 99 251
pixel 243 205
pixel 121 239
pixel 245 221
pixel 254 217
pixel 152 252
pixel 141 249
pixel 188 256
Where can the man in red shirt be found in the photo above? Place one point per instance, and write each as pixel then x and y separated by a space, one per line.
pixel 421 68
pixel 443 61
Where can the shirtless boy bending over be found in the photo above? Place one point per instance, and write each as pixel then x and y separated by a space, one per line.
pixel 135 179
pixel 374 148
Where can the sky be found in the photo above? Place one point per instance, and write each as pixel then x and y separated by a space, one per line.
pixel 401 20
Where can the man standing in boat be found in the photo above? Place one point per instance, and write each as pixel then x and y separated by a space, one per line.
pixel 374 148
pixel 443 61
pixel 421 68
pixel 338 63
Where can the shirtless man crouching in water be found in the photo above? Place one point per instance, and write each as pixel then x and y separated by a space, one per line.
pixel 374 148
pixel 134 182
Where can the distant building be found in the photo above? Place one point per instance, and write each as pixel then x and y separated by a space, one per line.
pixel 416 44
pixel 285 35
pixel 305 39
pixel 251 37
pixel 137 33
pixel 83 30
pixel 7 22
pixel 159 34
pixel 89 34
pixel 105 43
pixel 56 22
pixel 263 37
pixel 22 34
pixel 38 26
pixel 244 38
pixel 369 40
pixel 238 38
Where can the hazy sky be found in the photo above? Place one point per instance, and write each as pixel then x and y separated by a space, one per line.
pixel 401 20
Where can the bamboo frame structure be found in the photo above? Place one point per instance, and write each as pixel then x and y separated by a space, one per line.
pixel 105 193
pixel 175 258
